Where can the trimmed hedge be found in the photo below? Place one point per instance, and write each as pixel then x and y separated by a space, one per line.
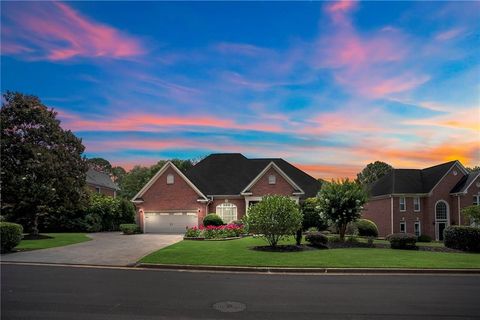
pixel 129 228
pixel 402 240
pixel 212 220
pixel 462 238
pixel 424 238
pixel 10 235
pixel 366 228
pixel 317 239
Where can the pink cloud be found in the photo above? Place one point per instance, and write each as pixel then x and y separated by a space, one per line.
pixel 54 31
pixel 448 34
pixel 341 6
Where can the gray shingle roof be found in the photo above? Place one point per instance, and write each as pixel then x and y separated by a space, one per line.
pixel 466 181
pixel 398 181
pixel 100 179
pixel 230 173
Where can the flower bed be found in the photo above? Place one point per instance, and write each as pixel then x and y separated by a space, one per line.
pixel 215 232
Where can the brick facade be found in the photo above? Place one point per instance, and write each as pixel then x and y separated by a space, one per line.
pixel 281 186
pixel 103 190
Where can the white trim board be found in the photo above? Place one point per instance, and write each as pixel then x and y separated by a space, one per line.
pixel 280 171
pixel 158 174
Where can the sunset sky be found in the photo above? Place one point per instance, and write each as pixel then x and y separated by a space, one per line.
pixel 328 86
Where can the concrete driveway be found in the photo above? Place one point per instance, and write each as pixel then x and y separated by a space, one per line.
pixel 106 248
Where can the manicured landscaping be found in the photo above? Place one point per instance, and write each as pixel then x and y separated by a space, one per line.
pixel 56 240
pixel 239 253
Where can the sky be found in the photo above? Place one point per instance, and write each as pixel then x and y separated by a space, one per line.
pixel 328 86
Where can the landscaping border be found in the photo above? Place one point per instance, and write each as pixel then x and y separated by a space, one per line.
pixel 306 270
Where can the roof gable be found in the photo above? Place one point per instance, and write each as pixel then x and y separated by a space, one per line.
pixel 159 174
pixel 465 183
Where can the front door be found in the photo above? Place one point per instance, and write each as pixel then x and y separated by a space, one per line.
pixel 441 227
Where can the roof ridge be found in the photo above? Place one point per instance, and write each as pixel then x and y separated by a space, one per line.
pixel 441 164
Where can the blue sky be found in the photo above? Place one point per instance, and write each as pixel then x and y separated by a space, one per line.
pixel 329 86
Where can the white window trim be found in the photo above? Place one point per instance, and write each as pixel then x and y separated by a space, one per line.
pixel 404 204
pixel 98 190
pixel 419 228
pixel 419 205
pixel 477 197
pixel 438 221
pixel 221 207
pixel 404 223
pixel 272 179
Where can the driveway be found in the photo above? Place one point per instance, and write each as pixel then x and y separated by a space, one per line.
pixel 106 248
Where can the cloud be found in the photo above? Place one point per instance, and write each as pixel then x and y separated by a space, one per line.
pixel 54 31
pixel 448 34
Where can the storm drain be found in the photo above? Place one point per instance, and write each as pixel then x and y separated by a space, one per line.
pixel 229 306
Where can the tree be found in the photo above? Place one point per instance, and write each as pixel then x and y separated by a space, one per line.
pixel 474 169
pixel 118 173
pixel 311 214
pixel 43 171
pixel 472 213
pixel 341 202
pixel 372 172
pixel 275 217
pixel 100 164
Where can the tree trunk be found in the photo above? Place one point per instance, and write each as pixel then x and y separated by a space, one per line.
pixel 298 237
pixel 342 229
pixel 35 231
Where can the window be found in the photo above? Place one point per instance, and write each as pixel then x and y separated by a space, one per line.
pixel 227 211
pixel 272 179
pixel 170 179
pixel 403 226
pixel 441 211
pixel 97 189
pixel 476 200
pixel 417 229
pixel 416 204
pixel 403 205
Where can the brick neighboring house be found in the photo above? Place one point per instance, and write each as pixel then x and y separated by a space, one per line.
pixel 100 182
pixel 422 201
pixel 225 184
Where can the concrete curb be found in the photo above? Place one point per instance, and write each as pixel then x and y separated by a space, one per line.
pixel 306 270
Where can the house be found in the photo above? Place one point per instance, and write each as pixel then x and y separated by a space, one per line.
pixel 225 184
pixel 100 182
pixel 422 201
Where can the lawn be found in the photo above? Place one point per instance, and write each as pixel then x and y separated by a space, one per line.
pixel 57 240
pixel 239 253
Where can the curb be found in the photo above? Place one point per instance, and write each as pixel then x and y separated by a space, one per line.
pixel 281 270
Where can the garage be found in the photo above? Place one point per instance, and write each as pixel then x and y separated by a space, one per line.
pixel 169 222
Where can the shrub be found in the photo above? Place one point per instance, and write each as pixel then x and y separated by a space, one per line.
pixel 351 229
pixel 312 229
pixel 352 239
pixel 317 239
pixel 129 228
pixel 472 213
pixel 212 220
pixel 10 235
pixel 424 238
pixel 275 217
pixel 311 215
pixel 335 238
pixel 193 233
pixel 366 228
pixel 106 213
pixel 402 240
pixel 462 238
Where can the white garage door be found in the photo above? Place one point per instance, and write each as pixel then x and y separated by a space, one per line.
pixel 160 222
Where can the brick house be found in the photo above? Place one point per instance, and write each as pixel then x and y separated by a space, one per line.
pixel 100 182
pixel 422 201
pixel 225 184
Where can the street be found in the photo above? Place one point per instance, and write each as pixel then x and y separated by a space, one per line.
pixel 52 292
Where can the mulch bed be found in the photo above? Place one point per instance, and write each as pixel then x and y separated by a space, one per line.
pixel 39 237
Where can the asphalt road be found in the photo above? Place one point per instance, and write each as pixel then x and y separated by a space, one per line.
pixel 45 292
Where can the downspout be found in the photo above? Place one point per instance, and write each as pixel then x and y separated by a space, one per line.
pixel 459 216
pixel 391 213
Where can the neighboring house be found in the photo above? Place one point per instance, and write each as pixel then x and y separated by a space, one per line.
pixel 225 184
pixel 101 182
pixel 422 201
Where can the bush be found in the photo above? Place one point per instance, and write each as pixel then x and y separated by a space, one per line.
pixel 424 238
pixel 107 214
pixel 366 228
pixel 193 233
pixel 212 220
pixel 129 228
pixel 311 215
pixel 275 217
pixel 317 239
pixel 462 238
pixel 312 229
pixel 351 229
pixel 10 235
pixel 402 240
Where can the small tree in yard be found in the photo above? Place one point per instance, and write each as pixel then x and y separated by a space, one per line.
pixel 275 217
pixel 341 202
pixel 473 214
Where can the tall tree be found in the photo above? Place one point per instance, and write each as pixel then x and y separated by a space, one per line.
pixel 43 171
pixel 372 172
pixel 118 173
pixel 473 169
pixel 100 164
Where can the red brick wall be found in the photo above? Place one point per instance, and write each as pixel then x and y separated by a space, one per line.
pixel 467 199
pixel 379 212
pixel 240 203
pixel 176 196
pixel 103 190
pixel 281 187
pixel 409 215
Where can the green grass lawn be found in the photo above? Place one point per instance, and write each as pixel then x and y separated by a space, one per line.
pixel 238 253
pixel 57 240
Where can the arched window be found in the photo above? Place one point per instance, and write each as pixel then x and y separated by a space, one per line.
pixel 441 211
pixel 170 179
pixel 227 211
